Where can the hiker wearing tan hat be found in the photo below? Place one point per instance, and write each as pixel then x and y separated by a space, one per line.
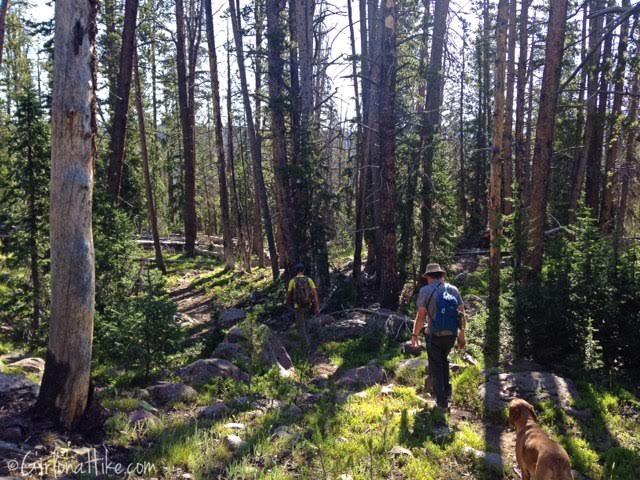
pixel 441 305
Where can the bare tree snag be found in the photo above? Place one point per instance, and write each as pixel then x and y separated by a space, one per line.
pixel 65 388
pixel 388 256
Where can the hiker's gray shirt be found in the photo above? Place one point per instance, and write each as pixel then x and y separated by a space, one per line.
pixel 425 295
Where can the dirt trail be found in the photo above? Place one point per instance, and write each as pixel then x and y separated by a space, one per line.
pixel 192 302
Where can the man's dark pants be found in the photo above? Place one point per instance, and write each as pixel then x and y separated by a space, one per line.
pixel 438 349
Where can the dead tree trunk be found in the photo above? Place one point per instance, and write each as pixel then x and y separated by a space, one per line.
pixel 65 388
pixel 256 157
pixel 545 129
pixel 148 190
pixel 227 239
pixel 388 263
pixel 121 113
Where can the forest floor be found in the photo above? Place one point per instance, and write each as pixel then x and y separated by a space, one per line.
pixel 354 409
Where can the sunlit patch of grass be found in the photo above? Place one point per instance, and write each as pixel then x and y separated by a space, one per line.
pixel 466 389
pixel 356 352
pixel 124 404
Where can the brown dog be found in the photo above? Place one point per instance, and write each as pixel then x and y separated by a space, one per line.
pixel 539 457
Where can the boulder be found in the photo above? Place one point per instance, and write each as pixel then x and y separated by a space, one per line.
pixel 318 322
pixel 185 321
pixel 362 376
pixel 355 326
pixel 140 415
pixel 236 335
pixel 399 451
pixel 16 389
pixel 412 364
pixel 32 365
pixel 206 369
pixel 533 386
pixel 274 353
pixel 234 442
pixel 233 352
pixel 493 461
pixel 230 317
pixel 293 412
pixel 215 412
pixel 165 392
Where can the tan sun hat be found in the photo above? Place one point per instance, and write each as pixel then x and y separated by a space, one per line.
pixel 433 268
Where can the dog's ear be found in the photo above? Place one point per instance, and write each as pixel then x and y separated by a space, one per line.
pixel 532 411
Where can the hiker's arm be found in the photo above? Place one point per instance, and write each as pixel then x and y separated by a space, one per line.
pixel 418 325
pixel 317 300
pixel 289 298
pixel 462 342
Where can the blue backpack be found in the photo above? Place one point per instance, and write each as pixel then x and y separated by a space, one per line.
pixel 446 311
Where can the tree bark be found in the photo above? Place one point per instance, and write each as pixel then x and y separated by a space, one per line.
pixel 123 88
pixel 388 255
pixel 522 149
pixel 65 388
pixel 593 185
pixel 148 189
pixel 3 20
pixel 615 131
pixel 431 124
pixel 586 164
pixel 256 157
pixel 495 184
pixel 187 122
pixel 545 129
pixel 508 113
pixel 406 222
pixel 277 101
pixel 227 239
pixel 630 161
pixel 359 160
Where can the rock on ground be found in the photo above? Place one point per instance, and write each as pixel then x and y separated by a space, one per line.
pixel 233 352
pixel 15 390
pixel 140 415
pixel 234 442
pixel 492 460
pixel 362 376
pixel 215 412
pixel 206 369
pixel 229 318
pixel 165 392
pixel 533 386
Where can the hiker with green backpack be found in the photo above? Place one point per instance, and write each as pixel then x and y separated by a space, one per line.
pixel 440 304
pixel 302 295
